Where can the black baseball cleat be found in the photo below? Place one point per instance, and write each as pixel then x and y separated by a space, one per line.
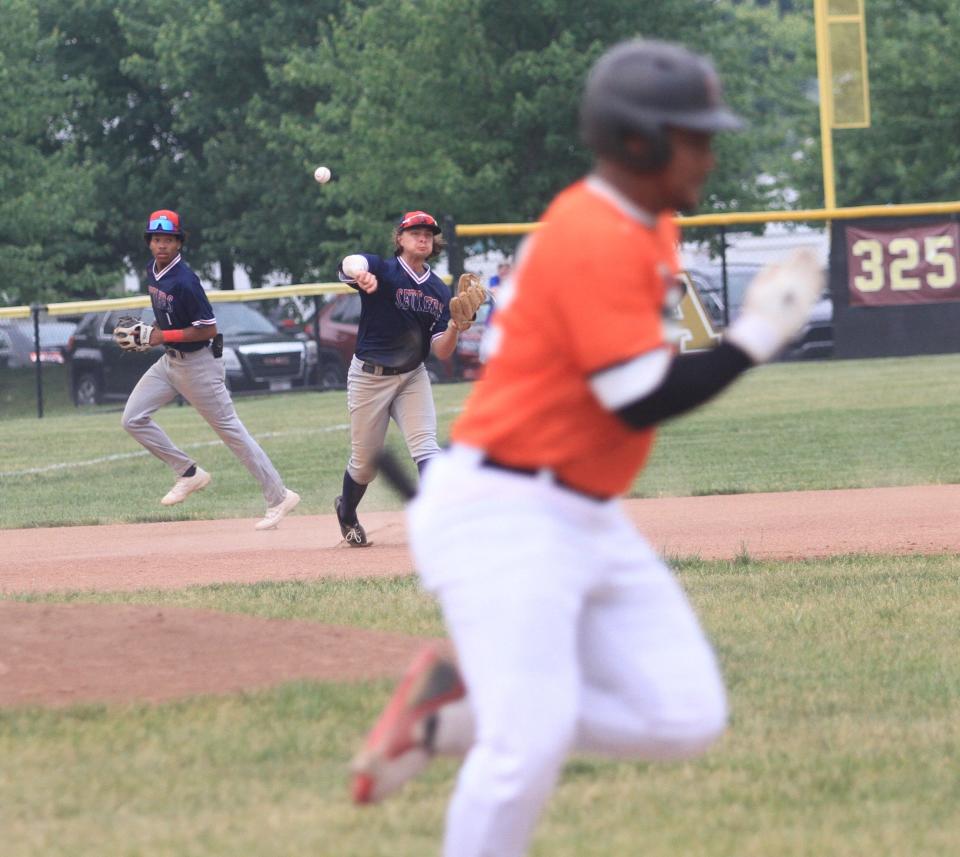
pixel 353 533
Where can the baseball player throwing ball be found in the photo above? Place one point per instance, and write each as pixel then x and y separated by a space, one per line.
pixel 571 634
pixel 191 366
pixel 405 314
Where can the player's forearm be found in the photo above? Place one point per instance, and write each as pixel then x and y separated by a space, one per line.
pixel 194 333
pixel 691 380
pixel 445 344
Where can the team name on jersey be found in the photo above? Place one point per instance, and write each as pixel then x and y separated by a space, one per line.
pixel 416 300
pixel 160 298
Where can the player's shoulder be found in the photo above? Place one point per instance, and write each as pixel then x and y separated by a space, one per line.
pixel 593 207
pixel 581 201
pixel 186 273
pixel 186 278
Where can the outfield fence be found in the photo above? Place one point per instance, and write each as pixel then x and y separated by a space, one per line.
pixel 894 278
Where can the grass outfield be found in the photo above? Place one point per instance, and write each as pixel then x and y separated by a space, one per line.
pixel 843 683
pixel 843 677
pixel 787 426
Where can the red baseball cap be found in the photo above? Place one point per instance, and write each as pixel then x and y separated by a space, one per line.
pixel 163 222
pixel 420 218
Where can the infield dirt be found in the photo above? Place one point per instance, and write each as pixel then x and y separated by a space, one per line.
pixel 59 654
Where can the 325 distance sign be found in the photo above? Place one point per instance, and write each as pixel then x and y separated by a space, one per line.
pixel 915 265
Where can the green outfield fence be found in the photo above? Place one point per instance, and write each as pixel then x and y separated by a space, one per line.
pixel 458 235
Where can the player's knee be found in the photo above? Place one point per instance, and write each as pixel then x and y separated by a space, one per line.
pixel 423 446
pixel 133 420
pixel 687 726
pixel 705 726
pixel 362 471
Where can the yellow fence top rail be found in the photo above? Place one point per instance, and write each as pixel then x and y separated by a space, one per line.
pixel 140 301
pixel 748 217
pixel 474 229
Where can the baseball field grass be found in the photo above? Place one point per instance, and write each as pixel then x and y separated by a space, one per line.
pixel 843 683
pixel 843 678
pixel 788 426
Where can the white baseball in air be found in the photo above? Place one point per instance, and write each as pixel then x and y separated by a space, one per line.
pixel 354 264
pixel 322 174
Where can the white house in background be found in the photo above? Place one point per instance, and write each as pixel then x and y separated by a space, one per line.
pixel 773 245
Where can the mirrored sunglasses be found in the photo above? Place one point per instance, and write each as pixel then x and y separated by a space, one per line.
pixel 162 224
pixel 418 220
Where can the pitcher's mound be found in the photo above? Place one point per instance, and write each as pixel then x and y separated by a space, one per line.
pixel 65 654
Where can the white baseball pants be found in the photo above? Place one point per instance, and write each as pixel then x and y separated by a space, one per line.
pixel 572 635
pixel 200 378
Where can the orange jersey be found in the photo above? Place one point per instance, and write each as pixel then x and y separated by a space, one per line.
pixel 588 294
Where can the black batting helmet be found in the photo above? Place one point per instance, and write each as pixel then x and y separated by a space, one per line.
pixel 642 87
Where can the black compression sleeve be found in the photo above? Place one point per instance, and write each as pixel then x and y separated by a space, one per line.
pixel 691 380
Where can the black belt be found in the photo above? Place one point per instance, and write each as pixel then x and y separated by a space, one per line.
pixel 492 463
pixel 376 369
pixel 177 352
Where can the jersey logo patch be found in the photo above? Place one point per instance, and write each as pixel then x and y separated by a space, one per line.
pixel 417 301
pixel 161 299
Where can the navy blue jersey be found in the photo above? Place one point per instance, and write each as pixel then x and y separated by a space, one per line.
pixel 179 300
pixel 401 318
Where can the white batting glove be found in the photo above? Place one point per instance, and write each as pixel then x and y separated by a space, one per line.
pixel 776 305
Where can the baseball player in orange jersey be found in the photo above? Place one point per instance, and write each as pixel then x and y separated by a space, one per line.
pixel 571 634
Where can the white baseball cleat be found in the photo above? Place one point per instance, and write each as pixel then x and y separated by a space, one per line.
pixel 185 486
pixel 275 513
pixel 401 743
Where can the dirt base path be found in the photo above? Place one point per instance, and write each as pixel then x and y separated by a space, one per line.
pixel 923 519
pixel 59 654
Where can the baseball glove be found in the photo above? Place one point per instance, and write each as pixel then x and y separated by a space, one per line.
pixel 463 306
pixel 131 334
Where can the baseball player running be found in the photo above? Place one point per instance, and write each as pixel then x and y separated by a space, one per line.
pixel 571 634
pixel 404 315
pixel 191 366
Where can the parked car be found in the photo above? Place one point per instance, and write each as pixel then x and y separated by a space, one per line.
pixel 17 347
pixel 816 339
pixel 339 321
pixel 256 355
pixel 468 344
pixel 709 285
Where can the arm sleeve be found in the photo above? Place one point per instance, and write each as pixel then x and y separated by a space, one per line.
pixel 690 380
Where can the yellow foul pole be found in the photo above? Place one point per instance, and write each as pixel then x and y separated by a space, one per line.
pixel 825 80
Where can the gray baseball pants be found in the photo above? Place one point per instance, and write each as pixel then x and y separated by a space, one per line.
pixel 372 400
pixel 201 379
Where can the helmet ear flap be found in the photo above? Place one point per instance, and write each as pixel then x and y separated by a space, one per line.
pixel 640 144
pixel 653 155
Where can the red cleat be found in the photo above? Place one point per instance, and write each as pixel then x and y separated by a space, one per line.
pixel 400 744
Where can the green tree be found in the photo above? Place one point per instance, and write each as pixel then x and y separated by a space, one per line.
pixel 911 152
pixel 247 200
pixel 222 108
pixel 469 107
pixel 49 245
pixel 169 116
